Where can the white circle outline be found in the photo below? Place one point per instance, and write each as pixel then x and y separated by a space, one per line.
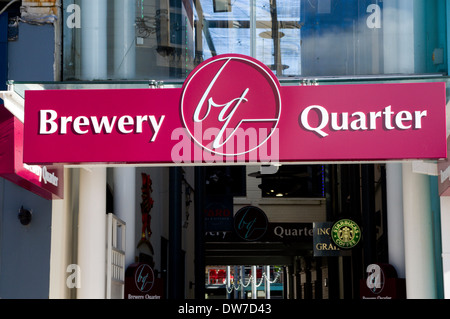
pixel 232 57
pixel 153 277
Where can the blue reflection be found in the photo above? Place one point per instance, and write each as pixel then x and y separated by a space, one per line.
pixel 330 37
pixel 295 38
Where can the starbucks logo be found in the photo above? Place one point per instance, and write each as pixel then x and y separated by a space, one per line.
pixel 346 233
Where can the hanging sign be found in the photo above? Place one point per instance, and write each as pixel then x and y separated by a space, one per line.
pixel 232 109
pixel 345 233
pixel 323 245
pixel 141 282
pixel 45 181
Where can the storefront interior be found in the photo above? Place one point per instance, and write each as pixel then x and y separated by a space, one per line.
pixel 354 191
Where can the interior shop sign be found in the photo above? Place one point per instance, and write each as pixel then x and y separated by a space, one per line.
pixel 233 109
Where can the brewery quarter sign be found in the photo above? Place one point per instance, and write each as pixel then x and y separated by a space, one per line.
pixel 232 109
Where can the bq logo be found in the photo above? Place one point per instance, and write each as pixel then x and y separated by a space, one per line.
pixel 345 233
pixel 250 223
pixel 144 278
pixel 231 105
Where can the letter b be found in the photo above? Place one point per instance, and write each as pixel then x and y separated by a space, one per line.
pixel 45 120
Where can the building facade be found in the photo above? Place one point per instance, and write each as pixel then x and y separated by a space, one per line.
pixel 88 237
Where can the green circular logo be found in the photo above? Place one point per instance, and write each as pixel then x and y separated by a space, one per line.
pixel 346 233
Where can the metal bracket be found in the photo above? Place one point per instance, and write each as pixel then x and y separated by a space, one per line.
pixel 14 103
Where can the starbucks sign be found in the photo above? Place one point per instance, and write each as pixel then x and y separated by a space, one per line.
pixel 346 233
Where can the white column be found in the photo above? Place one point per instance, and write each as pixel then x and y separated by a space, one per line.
pixel 445 203
pixel 396 244
pixel 243 282
pixel 235 281
pixel 124 68
pixel 254 290
pixel 92 233
pixel 445 226
pixel 418 221
pixel 93 40
pixel 398 36
pixel 92 202
pixel 228 282
pixel 253 50
pixel 124 39
pixel 267 282
pixel 125 207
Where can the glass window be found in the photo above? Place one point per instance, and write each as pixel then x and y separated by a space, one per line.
pixel 166 39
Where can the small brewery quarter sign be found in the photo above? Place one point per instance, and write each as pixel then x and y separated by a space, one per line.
pixel 232 109
pixel 45 181
pixel 382 283
pixel 141 282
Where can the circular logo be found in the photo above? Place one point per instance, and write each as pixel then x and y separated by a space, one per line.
pixel 231 104
pixel 144 278
pixel 345 233
pixel 250 223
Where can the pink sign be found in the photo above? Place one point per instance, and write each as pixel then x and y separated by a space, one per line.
pixel 45 181
pixel 232 109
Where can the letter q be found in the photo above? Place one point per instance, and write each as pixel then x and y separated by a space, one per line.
pixel 323 122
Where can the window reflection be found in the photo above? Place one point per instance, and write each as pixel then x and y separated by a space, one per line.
pixel 295 38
